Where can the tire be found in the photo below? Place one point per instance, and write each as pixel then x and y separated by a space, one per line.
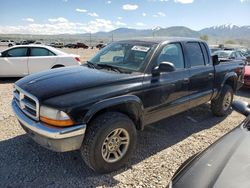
pixel 9 45
pixel 100 140
pixel 221 106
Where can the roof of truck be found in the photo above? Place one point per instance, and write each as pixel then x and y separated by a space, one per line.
pixel 159 40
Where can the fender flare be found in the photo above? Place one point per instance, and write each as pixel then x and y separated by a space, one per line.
pixel 226 78
pixel 229 76
pixel 112 102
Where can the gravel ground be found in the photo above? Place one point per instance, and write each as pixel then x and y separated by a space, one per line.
pixel 161 149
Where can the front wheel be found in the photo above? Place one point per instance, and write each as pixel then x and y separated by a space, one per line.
pixel 221 105
pixel 109 142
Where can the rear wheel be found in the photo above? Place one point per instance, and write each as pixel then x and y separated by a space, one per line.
pixel 109 142
pixel 221 105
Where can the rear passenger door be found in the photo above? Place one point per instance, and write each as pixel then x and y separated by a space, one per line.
pixel 40 59
pixel 201 73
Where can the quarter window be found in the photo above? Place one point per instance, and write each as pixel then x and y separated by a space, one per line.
pixel 172 53
pixel 195 54
pixel 40 52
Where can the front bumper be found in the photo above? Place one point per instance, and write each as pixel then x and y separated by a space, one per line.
pixel 56 139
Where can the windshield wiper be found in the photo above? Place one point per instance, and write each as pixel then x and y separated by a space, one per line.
pixel 91 65
pixel 113 68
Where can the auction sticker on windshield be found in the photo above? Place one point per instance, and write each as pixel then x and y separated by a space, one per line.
pixel 140 48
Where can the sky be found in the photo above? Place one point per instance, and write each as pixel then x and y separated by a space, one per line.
pixel 84 16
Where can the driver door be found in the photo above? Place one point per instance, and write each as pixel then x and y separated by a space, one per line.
pixel 14 62
pixel 167 94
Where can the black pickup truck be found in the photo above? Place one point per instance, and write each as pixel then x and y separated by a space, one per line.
pixel 98 108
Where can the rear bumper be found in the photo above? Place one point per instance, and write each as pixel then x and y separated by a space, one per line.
pixel 56 139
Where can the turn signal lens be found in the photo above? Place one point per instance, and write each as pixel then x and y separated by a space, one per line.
pixel 58 123
pixel 55 117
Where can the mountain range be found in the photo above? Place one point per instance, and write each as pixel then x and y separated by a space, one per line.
pixel 227 31
pixel 218 33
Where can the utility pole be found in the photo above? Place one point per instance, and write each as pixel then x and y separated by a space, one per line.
pixel 90 40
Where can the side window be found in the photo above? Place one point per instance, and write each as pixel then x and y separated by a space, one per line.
pixel 195 54
pixel 204 50
pixel 172 53
pixel 40 52
pixel 233 55
pixel 15 52
pixel 238 54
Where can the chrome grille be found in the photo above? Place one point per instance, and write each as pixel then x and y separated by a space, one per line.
pixel 28 103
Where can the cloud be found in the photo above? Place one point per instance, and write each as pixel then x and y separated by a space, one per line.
pixel 244 1
pixel 60 26
pixel 28 19
pixel 140 24
pixel 159 14
pixel 93 14
pixel 108 2
pixel 184 1
pixel 118 23
pixel 59 20
pixel 144 14
pixel 119 18
pixel 130 7
pixel 81 10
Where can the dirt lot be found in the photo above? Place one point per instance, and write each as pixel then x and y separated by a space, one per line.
pixel 161 149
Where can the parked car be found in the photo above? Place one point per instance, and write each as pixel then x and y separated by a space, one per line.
pixel 224 164
pixel 8 43
pixel 247 55
pixel 225 55
pixel 212 50
pixel 57 44
pixel 247 76
pixel 19 61
pixel 70 45
pixel 25 42
pixel 81 45
pixel 100 46
pixel 98 108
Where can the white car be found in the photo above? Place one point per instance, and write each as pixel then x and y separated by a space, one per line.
pixel 8 43
pixel 22 60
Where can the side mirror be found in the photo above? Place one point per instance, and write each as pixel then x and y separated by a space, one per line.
pixel 241 107
pixel 164 67
pixel 215 59
pixel 118 59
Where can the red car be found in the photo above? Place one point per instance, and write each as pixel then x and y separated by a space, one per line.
pixel 247 76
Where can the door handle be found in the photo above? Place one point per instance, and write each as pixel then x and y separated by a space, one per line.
pixel 210 75
pixel 186 80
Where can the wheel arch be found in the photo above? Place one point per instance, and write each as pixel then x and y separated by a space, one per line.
pixel 231 80
pixel 57 66
pixel 130 105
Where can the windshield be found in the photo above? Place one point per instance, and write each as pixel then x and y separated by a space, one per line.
pixel 223 54
pixel 123 55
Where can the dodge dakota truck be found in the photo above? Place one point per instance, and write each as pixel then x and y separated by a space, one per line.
pixel 98 108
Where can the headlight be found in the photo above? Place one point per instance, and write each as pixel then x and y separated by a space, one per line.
pixel 55 117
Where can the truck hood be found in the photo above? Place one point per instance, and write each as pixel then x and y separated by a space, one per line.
pixel 247 70
pixel 61 81
pixel 224 164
